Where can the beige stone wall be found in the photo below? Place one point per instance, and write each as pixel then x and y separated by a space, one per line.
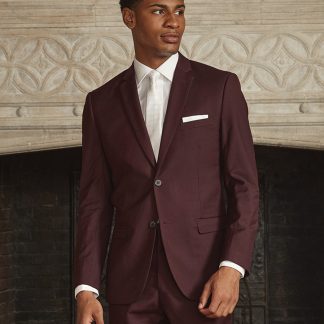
pixel 53 52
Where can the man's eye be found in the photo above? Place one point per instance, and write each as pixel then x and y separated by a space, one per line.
pixel 158 12
pixel 179 12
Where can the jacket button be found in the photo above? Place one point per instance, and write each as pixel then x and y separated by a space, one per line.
pixel 152 224
pixel 158 182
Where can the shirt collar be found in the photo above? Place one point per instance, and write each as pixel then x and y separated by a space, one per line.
pixel 166 69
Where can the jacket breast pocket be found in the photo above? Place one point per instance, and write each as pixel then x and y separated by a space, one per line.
pixel 197 123
pixel 209 225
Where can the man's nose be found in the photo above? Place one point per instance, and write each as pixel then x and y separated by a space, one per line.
pixel 172 21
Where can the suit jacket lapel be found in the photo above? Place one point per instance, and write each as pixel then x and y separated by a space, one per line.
pixel 133 110
pixel 181 84
pixel 180 87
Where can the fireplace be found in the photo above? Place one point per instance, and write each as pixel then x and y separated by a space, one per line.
pixel 38 197
pixel 52 53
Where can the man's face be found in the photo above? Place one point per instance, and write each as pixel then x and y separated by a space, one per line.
pixel 158 26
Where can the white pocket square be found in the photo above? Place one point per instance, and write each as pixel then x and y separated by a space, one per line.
pixel 193 117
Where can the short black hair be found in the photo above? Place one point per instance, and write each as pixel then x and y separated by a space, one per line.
pixel 128 3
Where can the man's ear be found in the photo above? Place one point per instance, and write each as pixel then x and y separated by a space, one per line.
pixel 129 18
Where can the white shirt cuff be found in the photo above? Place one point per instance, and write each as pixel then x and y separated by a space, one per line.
pixel 234 266
pixel 85 288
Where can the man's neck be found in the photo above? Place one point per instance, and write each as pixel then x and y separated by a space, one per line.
pixel 152 62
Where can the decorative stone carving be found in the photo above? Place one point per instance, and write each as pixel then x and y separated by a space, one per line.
pixel 45 73
pixel 281 63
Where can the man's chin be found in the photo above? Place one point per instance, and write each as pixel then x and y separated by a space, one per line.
pixel 168 51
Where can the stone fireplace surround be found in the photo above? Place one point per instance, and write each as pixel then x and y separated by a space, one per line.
pixel 53 52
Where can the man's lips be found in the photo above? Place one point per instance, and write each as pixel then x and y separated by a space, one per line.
pixel 171 38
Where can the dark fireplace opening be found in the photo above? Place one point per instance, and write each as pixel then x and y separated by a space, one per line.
pixel 38 199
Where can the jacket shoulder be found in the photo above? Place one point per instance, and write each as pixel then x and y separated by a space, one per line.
pixel 109 87
pixel 209 73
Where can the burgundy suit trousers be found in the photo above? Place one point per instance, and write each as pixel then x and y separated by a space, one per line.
pixel 161 301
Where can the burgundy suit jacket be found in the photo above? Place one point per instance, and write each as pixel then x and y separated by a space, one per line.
pixel 207 200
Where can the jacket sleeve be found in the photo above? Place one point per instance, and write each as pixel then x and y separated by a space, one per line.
pixel 95 211
pixel 239 175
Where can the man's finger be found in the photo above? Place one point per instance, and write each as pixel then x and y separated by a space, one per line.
pixel 226 308
pixel 215 303
pixel 204 296
pixel 232 307
pixel 221 311
pixel 98 317
pixel 85 319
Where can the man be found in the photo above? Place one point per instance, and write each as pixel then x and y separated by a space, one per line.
pixel 166 144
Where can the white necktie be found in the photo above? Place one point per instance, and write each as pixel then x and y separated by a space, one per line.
pixel 154 111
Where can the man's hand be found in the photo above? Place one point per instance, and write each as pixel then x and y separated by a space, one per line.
pixel 224 286
pixel 89 308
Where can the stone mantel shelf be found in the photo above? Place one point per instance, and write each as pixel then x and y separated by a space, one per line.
pixel 26 132
pixel 53 52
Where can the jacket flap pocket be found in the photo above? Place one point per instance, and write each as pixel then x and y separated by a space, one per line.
pixel 207 225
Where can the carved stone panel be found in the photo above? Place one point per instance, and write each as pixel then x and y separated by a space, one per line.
pixel 53 52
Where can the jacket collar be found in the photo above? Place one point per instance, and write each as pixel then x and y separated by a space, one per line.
pixel 166 69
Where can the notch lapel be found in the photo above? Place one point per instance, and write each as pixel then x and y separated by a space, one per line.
pixel 180 87
pixel 134 113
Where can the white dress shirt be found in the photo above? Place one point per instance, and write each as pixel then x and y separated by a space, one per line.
pixel 166 71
